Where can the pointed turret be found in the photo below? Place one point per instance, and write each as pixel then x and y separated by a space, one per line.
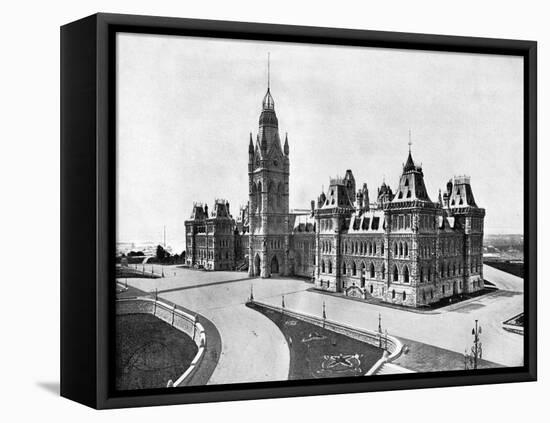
pixel 251 146
pixel 366 200
pixel 286 144
pixel 409 165
pixel 411 184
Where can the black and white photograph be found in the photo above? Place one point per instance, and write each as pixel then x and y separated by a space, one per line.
pixel 293 211
pixel 247 211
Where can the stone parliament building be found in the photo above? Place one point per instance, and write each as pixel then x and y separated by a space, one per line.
pixel 400 248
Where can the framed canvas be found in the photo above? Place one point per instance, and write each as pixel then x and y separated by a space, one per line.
pixel 256 211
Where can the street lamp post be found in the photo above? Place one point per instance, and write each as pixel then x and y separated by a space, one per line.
pixel 476 351
pixel 324 314
pixel 379 330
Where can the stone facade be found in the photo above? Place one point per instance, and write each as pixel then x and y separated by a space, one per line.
pixel 401 248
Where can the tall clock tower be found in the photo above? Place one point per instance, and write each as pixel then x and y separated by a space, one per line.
pixel 268 174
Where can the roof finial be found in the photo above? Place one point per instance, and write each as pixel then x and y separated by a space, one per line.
pixel 410 142
pixel 268 70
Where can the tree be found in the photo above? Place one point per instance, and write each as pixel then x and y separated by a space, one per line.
pixel 161 253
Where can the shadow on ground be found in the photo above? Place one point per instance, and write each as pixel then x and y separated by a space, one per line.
pixel 51 387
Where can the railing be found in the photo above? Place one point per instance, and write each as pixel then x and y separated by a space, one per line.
pixel 392 346
pixel 179 319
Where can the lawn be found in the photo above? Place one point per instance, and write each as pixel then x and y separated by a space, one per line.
pixel 319 353
pixel 516 269
pixel 149 352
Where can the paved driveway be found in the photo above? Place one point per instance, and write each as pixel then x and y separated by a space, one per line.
pixel 253 349
pixel 448 328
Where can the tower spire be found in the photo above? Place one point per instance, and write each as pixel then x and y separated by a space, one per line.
pixel 268 71
pixel 410 142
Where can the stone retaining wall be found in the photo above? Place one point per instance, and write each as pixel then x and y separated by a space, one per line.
pixel 179 319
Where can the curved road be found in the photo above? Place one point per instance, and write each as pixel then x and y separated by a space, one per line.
pixel 253 348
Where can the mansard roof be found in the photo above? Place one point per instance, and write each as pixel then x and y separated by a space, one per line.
pixel 198 212
pixel 460 193
pixel 337 195
pixel 371 221
pixel 411 184
pixel 302 222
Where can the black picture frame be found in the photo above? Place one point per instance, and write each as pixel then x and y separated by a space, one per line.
pixel 88 201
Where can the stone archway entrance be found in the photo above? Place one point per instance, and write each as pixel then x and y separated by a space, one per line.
pixel 274 265
pixel 257 263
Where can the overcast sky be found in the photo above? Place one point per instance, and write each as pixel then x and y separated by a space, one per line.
pixel 186 106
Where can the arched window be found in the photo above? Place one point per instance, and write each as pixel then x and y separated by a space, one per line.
pixel 429 273
pixel 330 266
pixel 322 266
pixel 448 269
pixel 254 196
pixel 406 249
pixel 454 269
pixel 382 248
pixel 383 271
pixel 421 275
pixel 343 268
pixel 271 193
pixel 374 248
pixel 395 274
pixel 395 249
pixel 371 288
pixel 259 196
pixel 406 274
pixel 400 248
pixel 404 295
pixel 371 271
pixel 393 293
pixel 356 247
pixel 280 193
pixel 370 249
pixel 353 269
